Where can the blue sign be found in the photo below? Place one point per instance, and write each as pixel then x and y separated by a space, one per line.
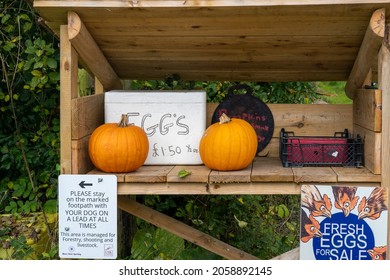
pixel 343 238
pixel 343 223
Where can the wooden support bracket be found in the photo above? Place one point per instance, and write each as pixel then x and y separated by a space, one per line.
pixel 91 54
pixel 193 235
pixel 368 52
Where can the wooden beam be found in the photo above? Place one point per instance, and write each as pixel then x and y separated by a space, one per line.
pixel 91 54
pixel 289 255
pixel 368 52
pixel 182 230
pixel 68 91
pixel 384 85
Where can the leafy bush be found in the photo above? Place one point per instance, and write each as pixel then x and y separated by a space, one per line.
pixel 262 225
pixel 288 92
pixel 29 99
pixel 29 131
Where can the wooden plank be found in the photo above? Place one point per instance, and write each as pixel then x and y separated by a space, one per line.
pixel 196 3
pixel 238 62
pixel 182 230
pixel 120 176
pixel 270 170
pixel 68 91
pixel 358 175
pixel 305 119
pixel 260 188
pixel 255 188
pixel 311 119
pixel 81 163
pixel 163 188
pixel 197 174
pixel 130 43
pixel 372 148
pixel 90 53
pixel 367 109
pixel 239 176
pixel 235 55
pixel 272 149
pixel 87 115
pixel 368 52
pixel 211 23
pixel 148 73
pixel 314 174
pixel 149 174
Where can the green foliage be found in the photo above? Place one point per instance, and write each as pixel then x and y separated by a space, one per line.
pixel 333 92
pixel 264 226
pixel 217 91
pixel 29 113
pixel 29 131
pixel 26 237
pixel 150 243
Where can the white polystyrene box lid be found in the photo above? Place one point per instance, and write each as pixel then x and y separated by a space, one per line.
pixel 174 121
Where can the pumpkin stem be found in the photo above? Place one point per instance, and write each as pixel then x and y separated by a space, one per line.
pixel 224 119
pixel 124 121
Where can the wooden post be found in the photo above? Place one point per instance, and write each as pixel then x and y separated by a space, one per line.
pixel 68 91
pixel 368 52
pixel 384 85
pixel 91 54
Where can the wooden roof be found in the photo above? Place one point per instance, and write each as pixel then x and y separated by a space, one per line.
pixel 307 40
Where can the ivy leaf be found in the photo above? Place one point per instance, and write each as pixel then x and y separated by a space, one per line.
pixel 11 207
pixel 27 26
pixel 38 64
pixel 5 18
pixel 36 73
pixel 283 211
pixel 52 63
pixel 50 206
pixel 183 173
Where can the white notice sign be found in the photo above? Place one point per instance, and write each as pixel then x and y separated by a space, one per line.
pixel 87 216
pixel 174 121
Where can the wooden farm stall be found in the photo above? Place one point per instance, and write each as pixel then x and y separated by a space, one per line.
pixel 221 40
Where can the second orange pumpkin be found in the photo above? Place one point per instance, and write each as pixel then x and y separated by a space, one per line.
pixel 228 145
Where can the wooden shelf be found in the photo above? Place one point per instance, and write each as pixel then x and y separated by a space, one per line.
pixel 264 176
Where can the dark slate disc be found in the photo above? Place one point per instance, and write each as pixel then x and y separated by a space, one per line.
pixel 249 108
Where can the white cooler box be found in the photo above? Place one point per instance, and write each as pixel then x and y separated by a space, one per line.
pixel 174 121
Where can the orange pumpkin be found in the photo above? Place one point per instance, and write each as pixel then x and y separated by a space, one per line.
pixel 118 147
pixel 230 144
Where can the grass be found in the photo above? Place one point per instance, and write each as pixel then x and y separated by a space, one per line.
pixel 333 92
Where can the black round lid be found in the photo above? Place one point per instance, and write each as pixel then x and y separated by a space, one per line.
pixel 249 108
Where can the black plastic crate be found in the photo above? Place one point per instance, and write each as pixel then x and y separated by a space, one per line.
pixel 338 150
